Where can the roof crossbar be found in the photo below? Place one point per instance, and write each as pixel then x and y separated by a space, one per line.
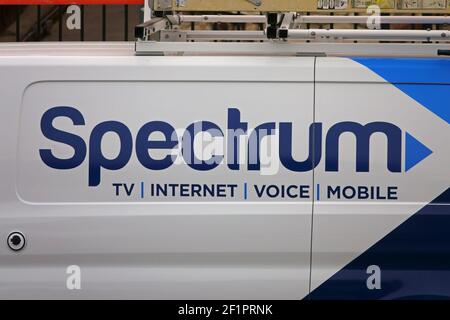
pixel 288 27
pixel 305 19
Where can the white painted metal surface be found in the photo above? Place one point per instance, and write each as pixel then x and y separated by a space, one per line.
pixel 134 248
pixel 189 247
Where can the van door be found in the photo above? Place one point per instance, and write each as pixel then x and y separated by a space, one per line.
pixel 381 213
pixel 155 177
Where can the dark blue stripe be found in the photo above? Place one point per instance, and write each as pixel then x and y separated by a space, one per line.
pixel 414 261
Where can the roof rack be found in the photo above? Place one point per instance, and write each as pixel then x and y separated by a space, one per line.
pixel 169 32
pixel 281 6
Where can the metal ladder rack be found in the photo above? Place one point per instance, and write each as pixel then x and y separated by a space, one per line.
pixel 283 33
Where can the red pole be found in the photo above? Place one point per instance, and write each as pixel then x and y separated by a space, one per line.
pixel 55 2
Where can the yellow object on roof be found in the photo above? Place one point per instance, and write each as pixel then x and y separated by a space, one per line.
pixel 325 6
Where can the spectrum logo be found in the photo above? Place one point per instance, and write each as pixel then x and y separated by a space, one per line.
pixel 203 145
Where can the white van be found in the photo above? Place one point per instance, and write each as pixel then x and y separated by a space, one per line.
pixel 222 177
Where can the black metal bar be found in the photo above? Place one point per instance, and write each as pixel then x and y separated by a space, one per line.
pixel 442 52
pixel 103 22
pixel 18 9
pixel 308 25
pixel 385 26
pixel 38 36
pixel 125 15
pixel 238 25
pixel 82 22
pixel 60 19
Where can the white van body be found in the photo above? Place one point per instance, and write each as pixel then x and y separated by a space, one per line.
pixel 347 197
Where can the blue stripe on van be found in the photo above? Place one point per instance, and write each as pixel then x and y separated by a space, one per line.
pixel 414 260
pixel 425 80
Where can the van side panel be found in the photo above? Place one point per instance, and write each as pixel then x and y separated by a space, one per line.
pixel 380 232
pixel 139 246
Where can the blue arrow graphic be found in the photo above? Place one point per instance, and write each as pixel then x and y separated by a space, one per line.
pixel 416 151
